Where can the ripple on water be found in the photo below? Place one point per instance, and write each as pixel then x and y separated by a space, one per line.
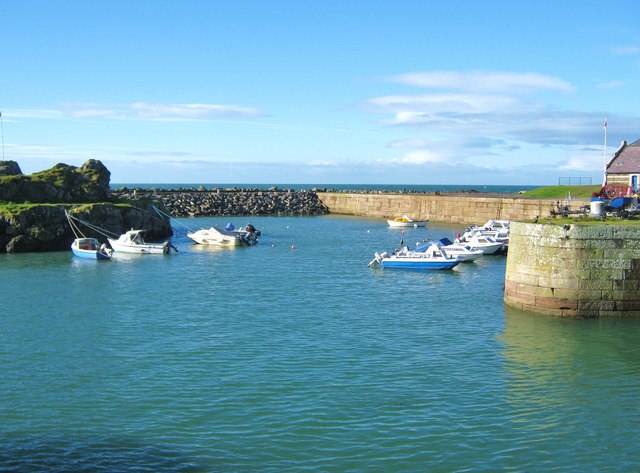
pixel 274 359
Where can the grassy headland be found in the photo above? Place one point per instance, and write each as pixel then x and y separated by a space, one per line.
pixel 561 192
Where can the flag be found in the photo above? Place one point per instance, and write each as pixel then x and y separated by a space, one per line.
pixel 605 123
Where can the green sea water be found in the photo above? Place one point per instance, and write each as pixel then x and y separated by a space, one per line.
pixel 293 355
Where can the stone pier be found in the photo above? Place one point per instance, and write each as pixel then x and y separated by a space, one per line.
pixel 459 209
pixel 574 270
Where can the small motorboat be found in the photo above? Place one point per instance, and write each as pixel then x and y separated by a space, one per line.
pixel 405 221
pixel 91 248
pixel 434 257
pixel 464 253
pixel 228 236
pixel 133 242
pixel 499 230
pixel 477 241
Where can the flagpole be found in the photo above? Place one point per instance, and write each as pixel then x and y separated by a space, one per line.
pixel 604 156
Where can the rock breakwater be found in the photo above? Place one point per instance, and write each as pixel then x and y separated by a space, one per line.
pixel 212 202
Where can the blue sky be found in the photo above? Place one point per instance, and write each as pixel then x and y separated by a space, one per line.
pixel 332 92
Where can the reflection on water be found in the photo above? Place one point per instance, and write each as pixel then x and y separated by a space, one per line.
pixel 271 358
pixel 573 377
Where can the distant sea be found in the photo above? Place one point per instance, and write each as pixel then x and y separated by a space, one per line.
pixel 499 189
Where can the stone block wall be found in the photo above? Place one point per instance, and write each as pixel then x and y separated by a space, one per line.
pixel 458 209
pixel 574 270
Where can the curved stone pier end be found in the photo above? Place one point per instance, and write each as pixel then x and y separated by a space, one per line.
pixel 574 270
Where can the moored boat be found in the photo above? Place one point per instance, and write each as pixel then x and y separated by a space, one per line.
pixel 91 248
pixel 464 253
pixel 133 242
pixel 484 243
pixel 434 257
pixel 228 236
pixel 405 221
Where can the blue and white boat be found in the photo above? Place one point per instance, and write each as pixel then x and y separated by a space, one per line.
pixel 90 248
pixel 433 257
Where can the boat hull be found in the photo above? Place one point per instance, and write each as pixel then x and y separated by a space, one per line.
pixel 138 249
pixel 205 237
pixel 467 257
pixel 487 249
pixel 398 224
pixel 89 248
pixel 417 264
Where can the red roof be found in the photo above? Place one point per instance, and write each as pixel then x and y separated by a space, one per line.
pixel 626 160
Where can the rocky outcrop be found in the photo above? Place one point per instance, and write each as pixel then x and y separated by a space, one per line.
pixel 45 227
pixel 34 218
pixel 9 168
pixel 61 183
pixel 200 203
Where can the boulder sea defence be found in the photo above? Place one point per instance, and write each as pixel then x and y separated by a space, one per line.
pixel 201 203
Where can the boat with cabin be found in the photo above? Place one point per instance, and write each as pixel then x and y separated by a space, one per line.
pixel 133 242
pixel 405 221
pixel 91 248
pixel 485 243
pixel 464 253
pixel 433 257
pixel 227 236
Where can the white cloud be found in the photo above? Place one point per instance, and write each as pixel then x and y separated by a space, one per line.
pixel 626 50
pixel 484 81
pixel 139 111
pixel 155 111
pixel 422 157
pixel 437 103
pixel 584 162
pixel 614 84
pixel 491 106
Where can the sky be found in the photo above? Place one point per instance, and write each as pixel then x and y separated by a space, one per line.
pixel 321 92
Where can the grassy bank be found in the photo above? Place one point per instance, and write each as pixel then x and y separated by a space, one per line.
pixel 8 209
pixel 562 192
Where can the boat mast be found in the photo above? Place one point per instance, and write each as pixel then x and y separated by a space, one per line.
pixel 604 156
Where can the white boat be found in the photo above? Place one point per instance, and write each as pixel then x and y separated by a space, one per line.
pixel 497 230
pixel 226 236
pixel 454 249
pixel 405 221
pixel 434 257
pixel 133 242
pixel 497 225
pixel 484 243
pixel 90 248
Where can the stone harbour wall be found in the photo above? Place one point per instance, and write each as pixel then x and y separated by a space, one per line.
pixel 459 209
pixel 464 209
pixel 574 270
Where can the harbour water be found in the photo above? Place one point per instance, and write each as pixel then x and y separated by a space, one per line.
pixel 293 355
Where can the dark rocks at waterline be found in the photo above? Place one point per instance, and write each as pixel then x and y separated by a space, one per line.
pixel 45 227
pixel 202 203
